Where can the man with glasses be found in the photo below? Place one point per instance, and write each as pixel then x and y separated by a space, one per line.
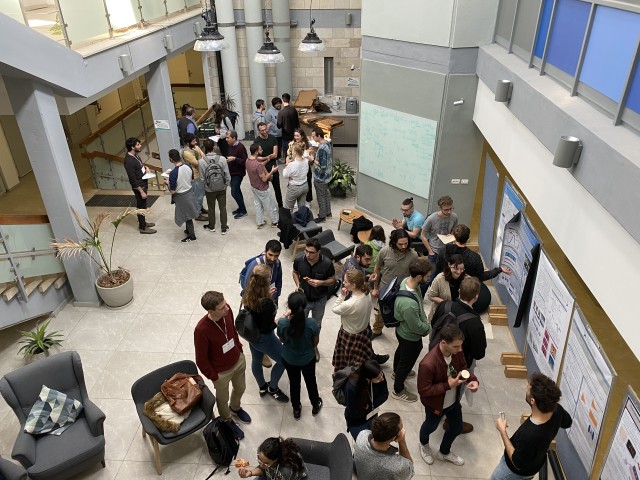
pixel 313 275
pixel 412 220
pixel 438 223
pixel 441 374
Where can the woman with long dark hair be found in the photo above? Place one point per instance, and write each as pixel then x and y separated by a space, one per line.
pixel 278 459
pixel 446 285
pixel 257 299
pixel 300 138
pixel 300 335
pixel 353 344
pixel 365 390
pixel 377 239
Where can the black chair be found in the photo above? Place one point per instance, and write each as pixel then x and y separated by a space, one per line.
pixel 147 386
pixel 331 248
pixel 327 461
pixel 81 446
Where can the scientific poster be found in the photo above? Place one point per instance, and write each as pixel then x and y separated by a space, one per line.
pixel 511 204
pixel 585 382
pixel 549 318
pixel 517 253
pixel 623 461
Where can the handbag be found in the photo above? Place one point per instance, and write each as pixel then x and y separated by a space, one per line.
pixel 246 326
pixel 182 391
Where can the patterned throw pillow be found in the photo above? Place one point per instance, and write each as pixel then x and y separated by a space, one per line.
pixel 52 413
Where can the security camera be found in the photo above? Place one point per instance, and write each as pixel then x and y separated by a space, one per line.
pixel 354 67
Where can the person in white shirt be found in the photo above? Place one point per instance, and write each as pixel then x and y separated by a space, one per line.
pixel 296 171
pixel 179 182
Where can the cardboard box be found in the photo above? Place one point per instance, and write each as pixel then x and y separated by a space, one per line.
pixel 305 98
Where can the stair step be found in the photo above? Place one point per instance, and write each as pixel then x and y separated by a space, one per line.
pixel 46 284
pixel 9 293
pixel 500 309
pixel 515 371
pixel 60 282
pixel 31 284
pixel 500 320
pixel 511 358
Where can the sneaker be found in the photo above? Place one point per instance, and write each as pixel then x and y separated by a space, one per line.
pixel 188 239
pixel 240 215
pixel 209 229
pixel 225 231
pixel 329 215
pixel 426 454
pixel 237 431
pixel 235 212
pixel 412 374
pixel 263 389
pixel 317 408
pixel 241 415
pixel 202 218
pixel 451 457
pixel 274 225
pixel 150 224
pixel 147 231
pixel 404 395
pixel 278 395
pixel 259 226
pixel 297 412
pixel 204 211
pixel 319 220
pixel 381 359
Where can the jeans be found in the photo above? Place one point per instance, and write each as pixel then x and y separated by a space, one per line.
pixel 198 194
pixel 405 357
pixel 141 204
pixel 236 193
pixel 221 198
pixel 263 200
pixel 188 225
pixel 322 197
pixel 295 193
pixel 502 472
pixel 235 376
pixel 310 190
pixel 433 260
pixel 454 415
pixel 316 307
pixel 309 373
pixel 267 344
pixel 275 181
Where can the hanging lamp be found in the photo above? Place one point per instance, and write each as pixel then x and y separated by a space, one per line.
pixel 211 40
pixel 268 53
pixel 311 42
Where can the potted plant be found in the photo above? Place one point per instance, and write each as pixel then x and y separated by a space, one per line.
pixel 39 341
pixel 115 286
pixel 342 179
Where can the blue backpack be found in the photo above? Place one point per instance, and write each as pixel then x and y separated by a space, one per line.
pixel 243 273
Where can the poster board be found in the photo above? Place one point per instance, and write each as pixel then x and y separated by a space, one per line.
pixel 586 381
pixel 549 318
pixel 510 205
pixel 397 148
pixel 622 461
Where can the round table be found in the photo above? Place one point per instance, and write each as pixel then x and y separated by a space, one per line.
pixel 348 217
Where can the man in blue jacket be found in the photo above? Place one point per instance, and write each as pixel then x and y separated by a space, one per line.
pixel 271 258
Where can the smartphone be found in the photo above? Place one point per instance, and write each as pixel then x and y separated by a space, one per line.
pixel 501 415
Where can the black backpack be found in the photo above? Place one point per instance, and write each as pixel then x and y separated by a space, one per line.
pixel 214 175
pixel 446 318
pixel 340 379
pixel 387 302
pixel 246 326
pixel 233 117
pixel 222 444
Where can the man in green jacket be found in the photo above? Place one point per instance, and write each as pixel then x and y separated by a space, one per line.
pixel 412 327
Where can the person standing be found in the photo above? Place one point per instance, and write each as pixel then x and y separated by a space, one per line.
pixel 236 159
pixel 438 223
pixel 322 172
pixel 259 179
pixel 288 120
pixel 295 172
pixel 439 384
pixel 135 169
pixel 271 120
pixel 258 115
pixel 300 335
pixel 215 175
pixel 446 285
pixel 412 220
pixel 270 258
pixel 179 182
pixel 187 124
pixel 269 157
pixel 526 450
pixel 300 138
pixel 219 357
pixel 191 154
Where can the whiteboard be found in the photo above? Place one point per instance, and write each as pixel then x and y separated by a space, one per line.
pixel 397 148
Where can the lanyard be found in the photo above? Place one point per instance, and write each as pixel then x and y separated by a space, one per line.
pixel 226 337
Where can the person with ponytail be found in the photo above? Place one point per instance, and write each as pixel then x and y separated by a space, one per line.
pixel 300 335
pixel 365 390
pixel 353 344
pixel 278 459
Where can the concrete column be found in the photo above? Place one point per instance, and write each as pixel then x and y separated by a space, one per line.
pixel 255 39
pixel 282 39
pixel 39 121
pixel 208 88
pixel 230 68
pixel 162 108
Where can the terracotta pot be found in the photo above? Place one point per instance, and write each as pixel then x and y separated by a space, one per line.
pixel 118 296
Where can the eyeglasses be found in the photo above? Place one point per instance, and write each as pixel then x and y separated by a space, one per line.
pixel 453 373
pixel 264 464
pixel 406 209
pixel 457 268
pixel 310 252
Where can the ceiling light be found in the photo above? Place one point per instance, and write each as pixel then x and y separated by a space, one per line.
pixel 268 53
pixel 311 42
pixel 211 40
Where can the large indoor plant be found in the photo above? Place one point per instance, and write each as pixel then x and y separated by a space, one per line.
pixel 343 177
pixel 114 285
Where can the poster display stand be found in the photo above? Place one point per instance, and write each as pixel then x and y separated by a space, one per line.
pixel 511 204
pixel 623 457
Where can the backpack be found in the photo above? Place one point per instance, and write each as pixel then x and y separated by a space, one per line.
pixel 246 326
pixel 221 443
pixel 243 273
pixel 446 318
pixel 340 379
pixel 387 302
pixel 214 175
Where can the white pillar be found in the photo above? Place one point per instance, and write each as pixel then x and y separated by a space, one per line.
pixel 255 39
pixel 230 68
pixel 208 87
pixel 282 40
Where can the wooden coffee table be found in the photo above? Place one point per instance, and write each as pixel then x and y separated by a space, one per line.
pixel 348 217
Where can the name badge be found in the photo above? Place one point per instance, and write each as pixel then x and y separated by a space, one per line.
pixel 228 346
pixel 373 413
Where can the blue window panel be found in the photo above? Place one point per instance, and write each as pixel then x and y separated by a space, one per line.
pixel 567 35
pixel 610 51
pixel 544 27
pixel 633 101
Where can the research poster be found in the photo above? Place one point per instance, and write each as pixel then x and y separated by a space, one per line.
pixel 585 382
pixel 517 245
pixel 549 318
pixel 623 460
pixel 510 205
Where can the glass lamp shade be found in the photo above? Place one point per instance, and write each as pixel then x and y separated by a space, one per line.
pixel 268 53
pixel 311 43
pixel 210 41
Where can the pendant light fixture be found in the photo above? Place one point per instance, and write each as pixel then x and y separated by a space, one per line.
pixel 311 42
pixel 268 53
pixel 211 40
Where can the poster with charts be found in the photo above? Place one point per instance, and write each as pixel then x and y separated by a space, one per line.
pixel 549 318
pixel 511 204
pixel 623 458
pixel 585 382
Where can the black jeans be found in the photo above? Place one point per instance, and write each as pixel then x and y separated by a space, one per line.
pixel 310 192
pixel 275 181
pixel 309 373
pixel 141 203
pixel 432 420
pixel 403 360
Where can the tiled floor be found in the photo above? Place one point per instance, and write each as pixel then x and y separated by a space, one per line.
pixel 118 347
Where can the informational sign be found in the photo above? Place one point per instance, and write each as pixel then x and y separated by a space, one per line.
pixel 549 318
pixel 161 124
pixel 623 459
pixel 585 382
pixel 518 241
pixel 511 204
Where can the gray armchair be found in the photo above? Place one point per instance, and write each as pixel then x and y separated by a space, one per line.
pixel 327 461
pixel 11 471
pixel 51 457
pixel 331 248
